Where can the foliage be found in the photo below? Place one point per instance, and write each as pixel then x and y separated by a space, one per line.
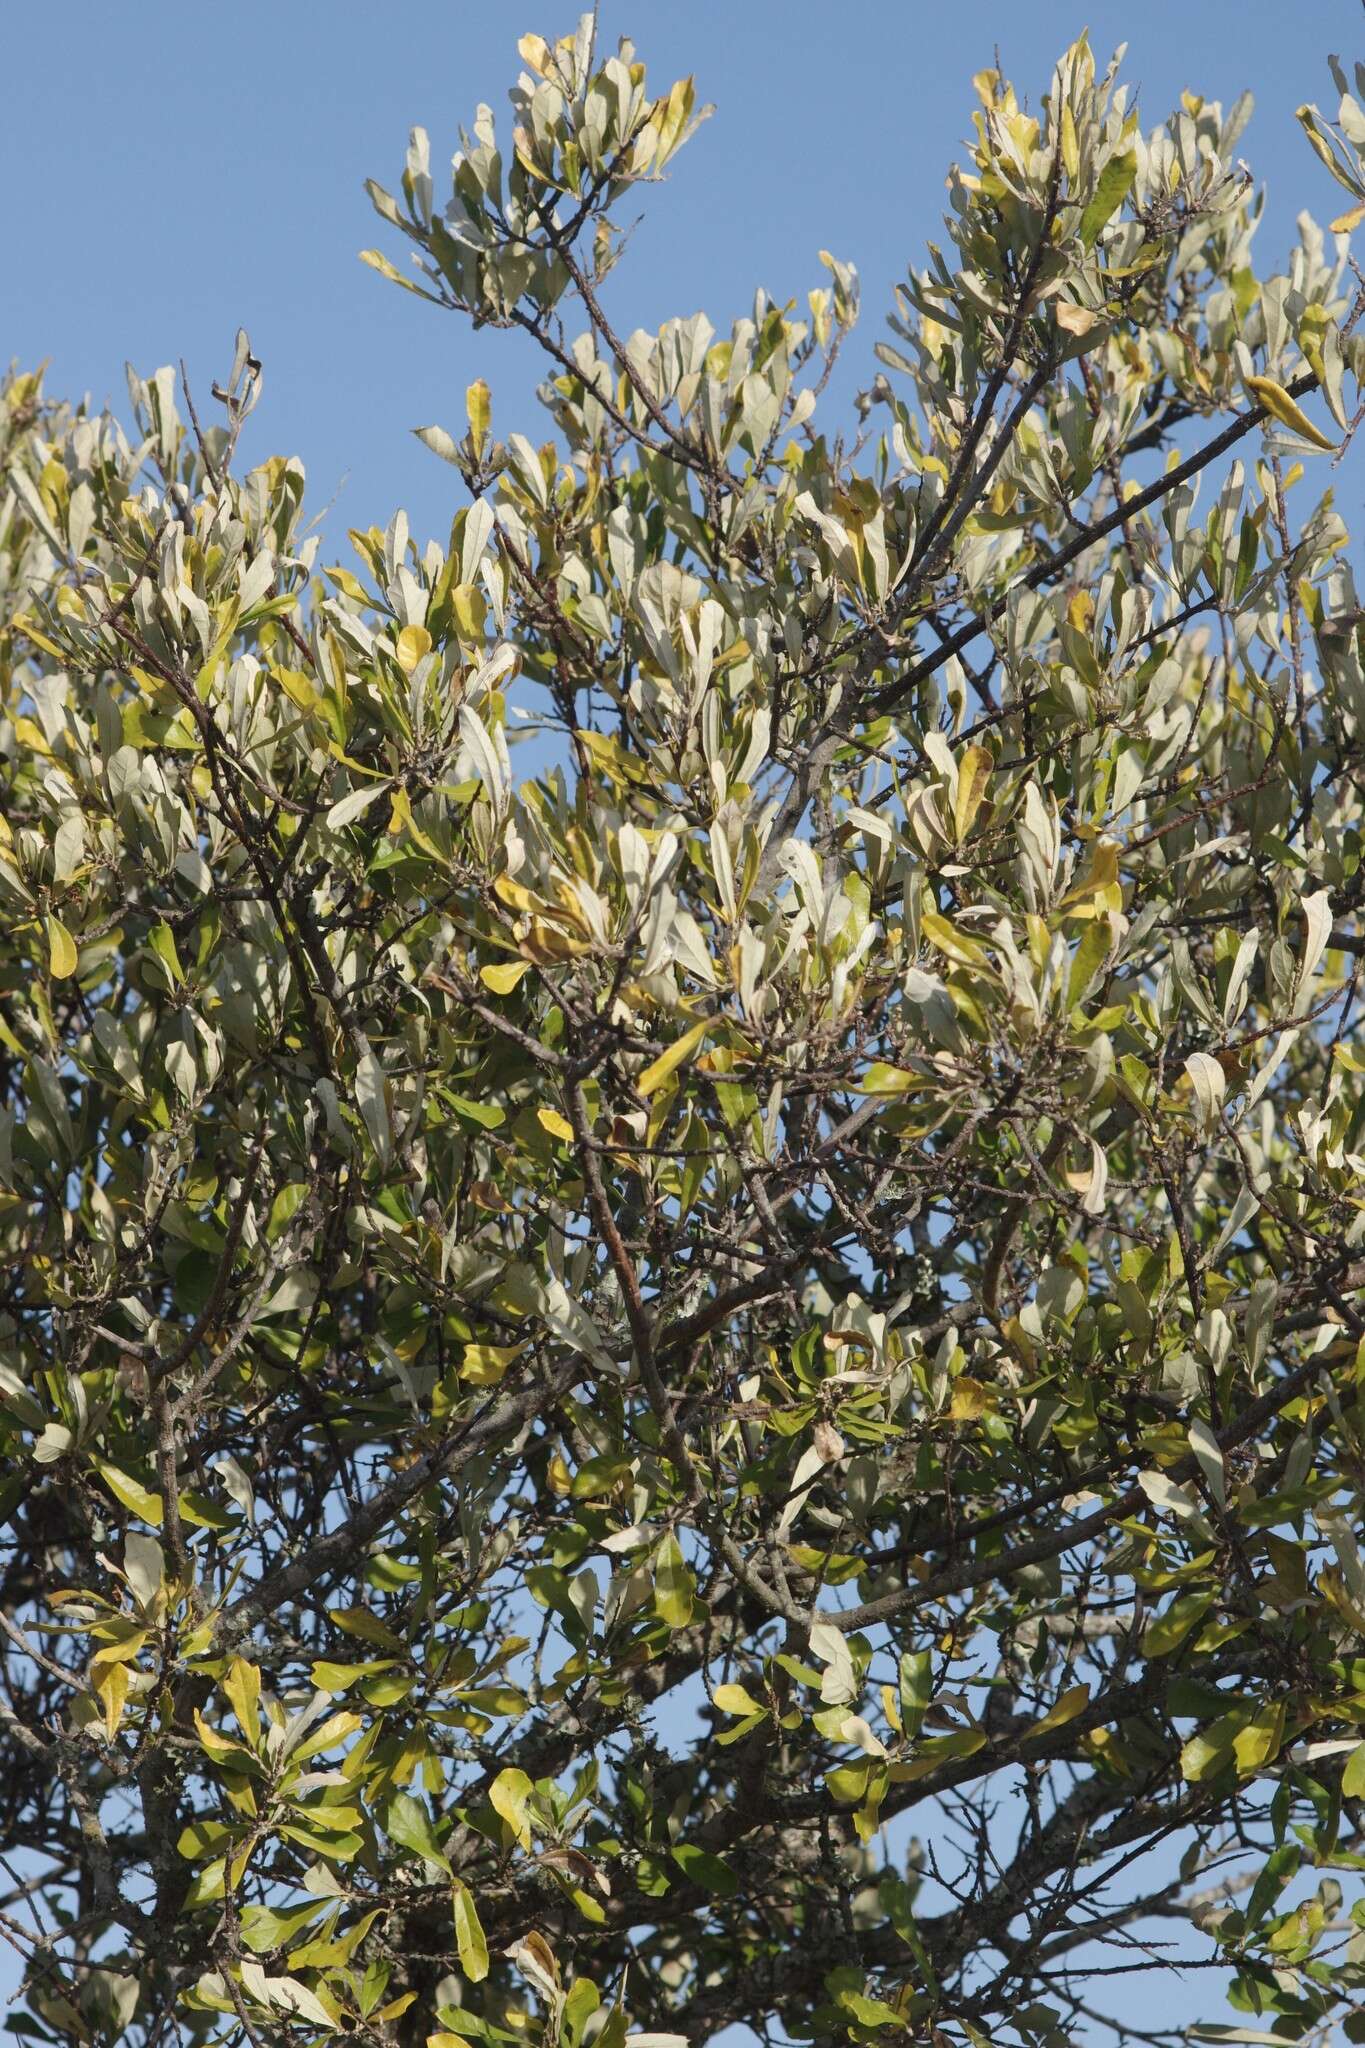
pixel 583 1349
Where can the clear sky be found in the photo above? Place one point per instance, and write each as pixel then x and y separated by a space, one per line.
pixel 173 170
pixel 170 169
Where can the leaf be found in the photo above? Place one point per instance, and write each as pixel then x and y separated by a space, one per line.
pixel 356 801
pixel 1074 319
pixel 674 1585
pixel 1353 1777
pixel 1068 1705
pixel 1317 917
pixel 659 1070
pixel 1209 1455
pixel 263 1928
pixel 61 949
pixel 973 773
pixel 508 1795
pixel 972 1400
pixel 881 1079
pixel 1209 1753
pixel 702 1868
pixel 470 1942
pixel 872 2013
pixel 439 442
pixel 1280 406
pixel 413 643
pixel 478 404
pixel 733 1699
pixel 558 1126
pixel 839 1683
pixel 476 738
pixel 242 1685
pixel 483 1365
pixel 1114 184
pixel 372 1102
pixel 112 1691
pixel 137 1498
pixel 408 1823
pixel 161 939
pixel 332 1677
pixel 288 1995
pixel 503 975
pixel 1209 1084
pixel 1260 1741
pixel 1166 1631
pixel 1167 1495
pixel 490 1116
pixel 144 1567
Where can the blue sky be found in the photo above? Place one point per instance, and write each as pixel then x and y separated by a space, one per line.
pixel 173 170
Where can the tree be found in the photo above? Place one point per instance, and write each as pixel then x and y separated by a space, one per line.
pixel 583 1350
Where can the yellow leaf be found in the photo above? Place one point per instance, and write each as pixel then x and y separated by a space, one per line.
pixel 1344 222
pixel 136 1498
pixel 221 1748
pixel 971 1399
pixel 1100 890
pixel 546 943
pixel 243 1688
pixel 558 1126
pixel 503 977
pixel 485 1364
pixel 297 687
pixel 658 1071
pixel 113 1691
pixel 733 1699
pixel 508 1795
pixel 471 610
pixel 413 643
pixel 956 944
pixel 1281 406
pixel 514 895
pixel 1073 1701
pixel 973 773
pixel 479 408
pixel 394 2007
pixel 30 735
pixel 1259 1743
pixel 25 625
pixel 61 949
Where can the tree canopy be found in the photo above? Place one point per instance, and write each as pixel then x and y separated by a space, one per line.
pixel 710 1373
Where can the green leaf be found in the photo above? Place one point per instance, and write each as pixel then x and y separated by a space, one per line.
pixel 161 939
pixel 408 1823
pixel 1166 1631
pixel 702 1868
pixel 137 1498
pixel 263 1928
pixel 470 1943
pixel 667 1064
pixel 674 1586
pixel 1114 184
